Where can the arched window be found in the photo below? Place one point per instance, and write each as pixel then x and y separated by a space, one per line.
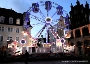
pixel 17 38
pixel 10 20
pixel 1 38
pixel 9 37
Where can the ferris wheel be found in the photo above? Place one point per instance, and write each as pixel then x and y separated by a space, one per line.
pixel 46 20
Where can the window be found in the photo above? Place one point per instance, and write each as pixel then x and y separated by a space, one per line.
pixel 9 38
pixel 2 19
pixel 18 21
pixel 1 38
pixel 17 38
pixel 2 29
pixel 17 30
pixel 10 29
pixel 10 20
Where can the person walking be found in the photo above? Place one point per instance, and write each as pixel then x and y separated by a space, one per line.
pixel 26 57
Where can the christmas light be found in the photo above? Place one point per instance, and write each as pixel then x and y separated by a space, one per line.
pixel 48 5
pixel 22 41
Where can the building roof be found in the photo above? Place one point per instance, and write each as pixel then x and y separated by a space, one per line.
pixel 7 13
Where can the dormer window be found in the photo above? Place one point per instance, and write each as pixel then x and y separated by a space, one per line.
pixel 2 19
pixel 18 21
pixel 10 20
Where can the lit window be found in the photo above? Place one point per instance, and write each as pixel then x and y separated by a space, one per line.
pixel 2 29
pixel 17 38
pixel 10 20
pixel 1 38
pixel 2 19
pixel 18 21
pixel 17 30
pixel 10 29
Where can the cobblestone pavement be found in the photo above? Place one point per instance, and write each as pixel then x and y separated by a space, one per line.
pixel 52 62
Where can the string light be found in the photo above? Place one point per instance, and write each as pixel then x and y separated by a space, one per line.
pixel 54 33
pixel 36 6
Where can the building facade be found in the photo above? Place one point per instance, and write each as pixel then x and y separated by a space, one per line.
pixel 11 27
pixel 51 37
pixel 80 27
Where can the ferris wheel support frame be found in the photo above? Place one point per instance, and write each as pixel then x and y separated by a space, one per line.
pixel 48 6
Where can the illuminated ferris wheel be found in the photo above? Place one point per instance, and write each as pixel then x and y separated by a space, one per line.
pixel 46 20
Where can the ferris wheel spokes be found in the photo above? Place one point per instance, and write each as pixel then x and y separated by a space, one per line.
pixel 54 31
pixel 30 9
pixel 38 24
pixel 37 18
pixel 35 8
pixel 40 31
pixel 43 16
pixel 53 14
pixel 47 13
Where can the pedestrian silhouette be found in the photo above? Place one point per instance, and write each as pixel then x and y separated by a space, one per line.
pixel 26 57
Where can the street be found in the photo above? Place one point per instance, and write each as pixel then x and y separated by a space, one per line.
pixel 52 62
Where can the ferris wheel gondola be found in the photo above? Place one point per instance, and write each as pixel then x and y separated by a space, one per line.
pixel 35 7
pixel 59 10
pixel 48 5
pixel 48 20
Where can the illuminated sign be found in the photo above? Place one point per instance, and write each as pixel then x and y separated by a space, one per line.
pixel 23 41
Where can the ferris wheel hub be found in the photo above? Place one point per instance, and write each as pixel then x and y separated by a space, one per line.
pixel 48 19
